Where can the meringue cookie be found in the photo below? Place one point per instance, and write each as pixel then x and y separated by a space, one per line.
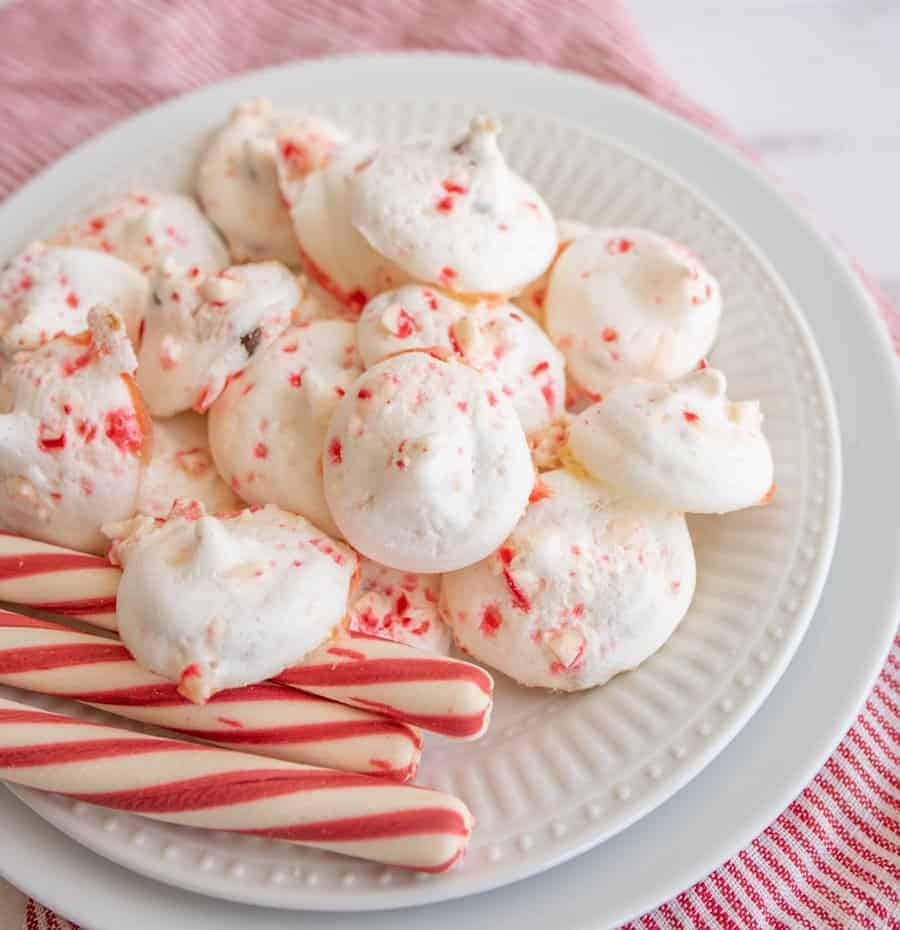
pixel 453 214
pixel 627 304
pixel 334 254
pixel 682 445
pixel 497 340
pixel 144 228
pixel 534 297
pixel 400 606
pixel 266 430
pixel 46 291
pixel 72 432
pixel 181 466
pixel 237 180
pixel 200 330
pixel 425 469
pixel 585 587
pixel 222 602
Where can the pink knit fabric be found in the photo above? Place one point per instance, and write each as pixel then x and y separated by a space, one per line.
pixel 832 859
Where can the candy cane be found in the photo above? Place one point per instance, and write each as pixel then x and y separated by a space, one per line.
pixel 433 692
pixel 436 693
pixel 267 719
pixel 203 786
pixel 62 581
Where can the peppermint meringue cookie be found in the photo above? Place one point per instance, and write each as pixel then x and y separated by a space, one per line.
pixel 73 430
pixel 400 606
pixel 200 330
pixel 215 602
pixel 585 587
pixel 47 291
pixel 534 297
pixel 626 304
pixel 682 445
pixel 426 469
pixel 498 340
pixel 181 465
pixel 453 214
pixel 334 253
pixel 237 180
pixel 267 429
pixel 143 228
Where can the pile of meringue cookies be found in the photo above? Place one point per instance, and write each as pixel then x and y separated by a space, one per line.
pixel 375 385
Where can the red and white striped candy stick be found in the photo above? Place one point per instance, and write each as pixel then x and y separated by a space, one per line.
pixel 433 692
pixel 204 786
pixel 36 574
pixel 436 693
pixel 267 719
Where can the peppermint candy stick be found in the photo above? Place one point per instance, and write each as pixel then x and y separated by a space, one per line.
pixel 429 691
pixel 267 719
pixel 207 787
pixel 436 693
pixel 62 581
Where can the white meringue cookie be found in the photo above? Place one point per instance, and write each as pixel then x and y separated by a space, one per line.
pixel 72 433
pixel 181 466
pixel 334 254
pixel 266 430
pixel 682 445
pixel 423 472
pixel 222 602
pixel 627 304
pixel 237 179
pixel 46 291
pixel 400 606
pixel 497 340
pixel 200 330
pixel 453 214
pixel 585 587
pixel 534 297
pixel 143 228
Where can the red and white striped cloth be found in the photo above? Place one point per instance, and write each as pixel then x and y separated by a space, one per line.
pixel 832 859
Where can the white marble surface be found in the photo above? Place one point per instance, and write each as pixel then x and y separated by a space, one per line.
pixel 814 87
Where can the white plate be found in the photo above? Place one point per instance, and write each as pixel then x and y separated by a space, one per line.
pixel 500 86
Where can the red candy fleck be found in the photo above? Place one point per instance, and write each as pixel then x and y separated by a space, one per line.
pixel 364 394
pixel 72 299
pixel 50 443
pixel 452 187
pixel 432 300
pixel 357 299
pixel 261 450
pixel 609 334
pixel 70 366
pixel 335 452
pixel 86 430
pixel 67 409
pixel 87 489
pixel 491 620
pixel 296 378
pixel 492 398
pixel 549 395
pixel 462 406
pixel 444 204
pixel 516 317
pixel 541 366
pixel 123 429
pixel 618 246
pixel 541 492
pixel 339 391
pixel 402 604
pixel 448 273
pixel 96 224
pixel 290 348
pixel 539 297
pixel 406 325
pixel 690 416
